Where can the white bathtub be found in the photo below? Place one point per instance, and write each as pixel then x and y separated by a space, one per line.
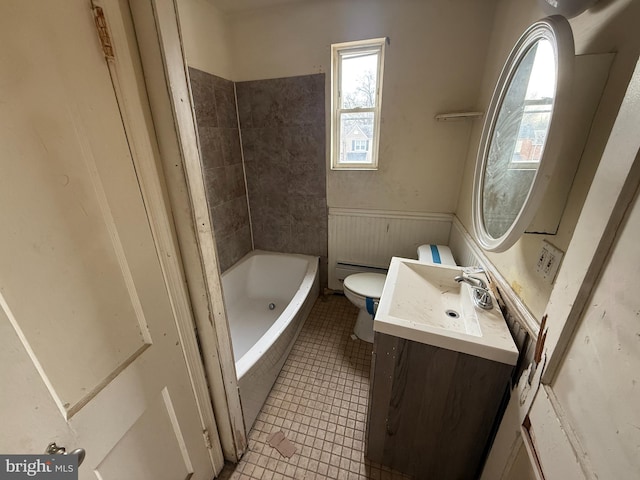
pixel 262 337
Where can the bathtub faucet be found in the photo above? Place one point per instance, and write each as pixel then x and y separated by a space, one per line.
pixel 481 296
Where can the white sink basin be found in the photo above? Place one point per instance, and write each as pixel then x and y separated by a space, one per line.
pixel 425 304
pixel 431 297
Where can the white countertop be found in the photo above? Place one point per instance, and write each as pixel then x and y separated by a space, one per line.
pixel 414 305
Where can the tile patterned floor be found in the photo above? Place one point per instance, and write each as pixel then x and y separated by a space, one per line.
pixel 320 402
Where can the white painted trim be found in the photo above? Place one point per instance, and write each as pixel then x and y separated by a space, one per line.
pixel 374 44
pixel 527 443
pixel 514 303
pixel 558 32
pixel 166 15
pixel 434 217
pixel 166 77
pixel 126 76
pixel 171 157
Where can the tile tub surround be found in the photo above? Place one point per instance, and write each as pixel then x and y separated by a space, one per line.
pixel 319 401
pixel 282 122
pixel 217 124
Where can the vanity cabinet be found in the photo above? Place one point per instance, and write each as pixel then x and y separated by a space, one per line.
pixel 432 411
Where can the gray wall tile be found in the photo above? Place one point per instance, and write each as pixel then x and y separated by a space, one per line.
pixel 225 103
pixel 203 98
pixel 282 124
pixel 230 145
pixel 210 146
pixel 216 118
pixel 283 140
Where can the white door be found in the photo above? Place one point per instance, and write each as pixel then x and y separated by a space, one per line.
pixel 89 347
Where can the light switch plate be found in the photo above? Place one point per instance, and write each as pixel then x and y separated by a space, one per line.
pixel 548 261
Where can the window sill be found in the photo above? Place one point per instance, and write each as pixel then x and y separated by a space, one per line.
pixel 353 168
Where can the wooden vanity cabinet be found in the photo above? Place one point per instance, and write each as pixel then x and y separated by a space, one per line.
pixel 432 411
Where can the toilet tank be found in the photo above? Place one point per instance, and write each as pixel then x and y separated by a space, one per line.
pixel 437 254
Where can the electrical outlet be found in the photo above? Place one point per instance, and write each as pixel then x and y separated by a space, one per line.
pixel 548 261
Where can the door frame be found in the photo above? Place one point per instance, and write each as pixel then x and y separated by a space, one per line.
pixel 159 42
pixel 126 70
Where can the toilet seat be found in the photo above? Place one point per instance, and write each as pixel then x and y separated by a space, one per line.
pixel 366 285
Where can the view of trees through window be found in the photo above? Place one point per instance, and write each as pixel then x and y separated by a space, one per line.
pixel 364 92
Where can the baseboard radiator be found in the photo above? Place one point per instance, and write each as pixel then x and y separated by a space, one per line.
pixel 365 240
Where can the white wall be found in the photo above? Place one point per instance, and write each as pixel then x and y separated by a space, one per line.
pixel 433 64
pixel 610 27
pixel 205 37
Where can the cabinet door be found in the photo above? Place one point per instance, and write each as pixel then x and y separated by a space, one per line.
pixel 430 407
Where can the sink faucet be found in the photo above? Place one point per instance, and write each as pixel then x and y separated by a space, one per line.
pixel 481 296
pixel 473 281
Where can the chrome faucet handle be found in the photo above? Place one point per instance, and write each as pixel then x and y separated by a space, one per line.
pixel 482 297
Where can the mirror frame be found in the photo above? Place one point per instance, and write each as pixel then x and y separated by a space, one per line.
pixel 557 30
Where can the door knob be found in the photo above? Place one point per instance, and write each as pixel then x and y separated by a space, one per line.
pixel 53 449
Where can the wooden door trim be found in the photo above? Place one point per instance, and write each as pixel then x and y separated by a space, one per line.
pixel 161 51
pixel 126 76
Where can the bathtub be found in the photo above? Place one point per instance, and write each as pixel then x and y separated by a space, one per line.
pixel 268 296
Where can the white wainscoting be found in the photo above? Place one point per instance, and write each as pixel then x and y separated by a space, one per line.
pixel 463 247
pixel 369 238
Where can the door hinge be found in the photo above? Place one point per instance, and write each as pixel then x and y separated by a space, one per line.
pixel 207 439
pixel 103 32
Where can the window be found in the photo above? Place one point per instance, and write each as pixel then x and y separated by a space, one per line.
pixel 356 86
pixel 360 145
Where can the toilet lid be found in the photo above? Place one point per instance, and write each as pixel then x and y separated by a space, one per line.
pixel 366 284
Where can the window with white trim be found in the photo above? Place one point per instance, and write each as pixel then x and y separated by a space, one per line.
pixel 356 87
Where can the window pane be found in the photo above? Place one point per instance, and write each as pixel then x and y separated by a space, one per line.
pixel 356 137
pixel 532 133
pixel 359 79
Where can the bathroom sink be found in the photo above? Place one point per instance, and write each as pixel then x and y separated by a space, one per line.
pixel 423 303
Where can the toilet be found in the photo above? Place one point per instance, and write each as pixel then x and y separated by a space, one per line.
pixel 364 289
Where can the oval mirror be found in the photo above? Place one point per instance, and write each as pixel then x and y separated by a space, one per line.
pixel 522 133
